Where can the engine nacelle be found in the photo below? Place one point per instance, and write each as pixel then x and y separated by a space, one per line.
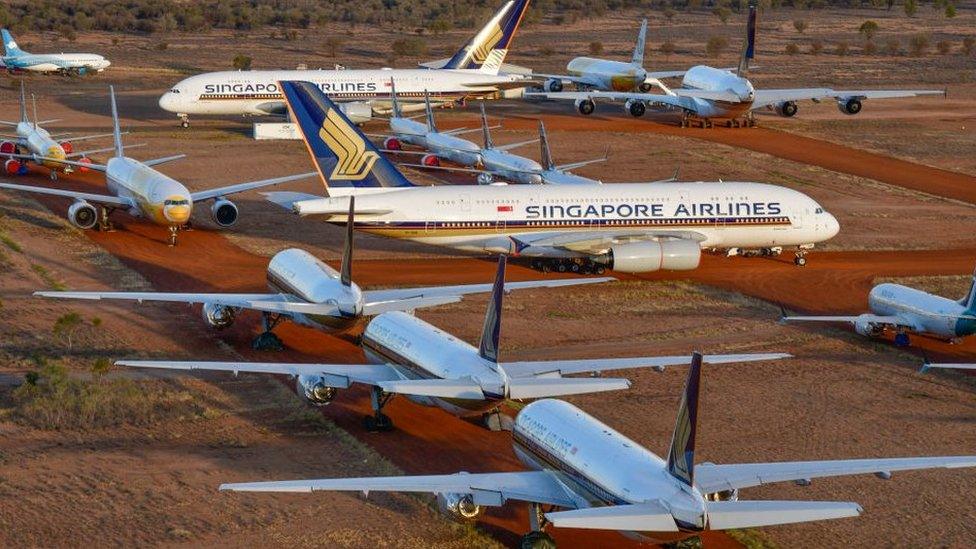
pixel 84 160
pixel 786 108
pixel 654 255
pixel 585 106
pixel 867 328
pixel 485 179
pixel 635 107
pixel 12 167
pixel 83 215
pixel 392 144
pixel 218 316
pixel 224 212
pixel 554 85
pixel 430 160
pixel 357 112
pixel 645 87
pixel 458 506
pixel 849 106
pixel 8 147
pixel 67 147
pixel 314 390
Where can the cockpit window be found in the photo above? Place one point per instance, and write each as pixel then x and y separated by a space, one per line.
pixel 819 211
pixel 182 202
pixel 174 90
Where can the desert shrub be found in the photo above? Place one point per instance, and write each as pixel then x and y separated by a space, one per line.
pixel 911 7
pixel 667 48
pixel 723 13
pixel 242 62
pixel 892 46
pixel 870 48
pixel 547 51
pixel 162 46
pixel 816 47
pixel 333 44
pixel 800 25
pixel 596 48
pixel 67 327
pixel 841 48
pixel 408 47
pixel 716 45
pixel 918 44
pixel 792 49
pixel 968 45
pixel 440 26
pixel 950 10
pixel 868 29
pixel 943 46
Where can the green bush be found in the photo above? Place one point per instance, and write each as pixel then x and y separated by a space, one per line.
pixel 242 62
pixel 716 45
pixel 408 47
pixel 792 49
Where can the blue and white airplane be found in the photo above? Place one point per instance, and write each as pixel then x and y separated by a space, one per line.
pixel 73 64
pixel 606 481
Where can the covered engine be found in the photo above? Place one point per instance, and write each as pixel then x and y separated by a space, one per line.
pixel 485 179
pixel 458 506
pixel 653 255
pixel 13 167
pixel 67 147
pixel 849 106
pixel 8 147
pixel 392 144
pixel 585 106
pixel 554 85
pixel 218 316
pixel 357 112
pixel 786 108
pixel 83 215
pixel 430 160
pixel 865 327
pixel 635 107
pixel 313 390
pixel 224 212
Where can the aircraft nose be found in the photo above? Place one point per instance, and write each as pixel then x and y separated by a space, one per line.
pixel 167 101
pixel 833 226
pixel 177 213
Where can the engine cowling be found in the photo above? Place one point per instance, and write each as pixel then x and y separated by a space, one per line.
pixel 83 215
pixel 218 316
pixel 12 167
pixel 357 112
pixel 458 506
pixel 645 87
pixel 867 328
pixel 84 160
pixel 8 147
pixel 554 85
pixel 636 108
pixel 585 106
pixel 314 390
pixel 642 257
pixel 430 160
pixel 67 147
pixel 485 179
pixel 786 108
pixel 392 144
pixel 224 212
pixel 849 106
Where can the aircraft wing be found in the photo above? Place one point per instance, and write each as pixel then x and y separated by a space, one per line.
pixel 336 375
pixel 287 199
pixel 887 320
pixel 683 102
pixel 485 488
pixel 576 80
pixel 379 296
pixel 558 368
pixel 229 300
pixel 597 242
pixel 648 517
pixel 89 165
pixel 651 76
pixel 764 98
pixel 242 187
pixel 97 198
pixel 712 478
pixel 87 137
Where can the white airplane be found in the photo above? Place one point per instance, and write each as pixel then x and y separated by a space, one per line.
pixel 32 143
pixel 17 60
pixel 902 309
pixel 145 192
pixel 434 368
pixel 631 228
pixel 310 293
pixel 606 481
pixel 708 93
pixel 472 72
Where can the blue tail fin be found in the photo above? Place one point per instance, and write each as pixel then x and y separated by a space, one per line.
pixel 344 157
pixel 681 456
pixel 749 47
pixel 486 51
pixel 10 45
pixel 488 349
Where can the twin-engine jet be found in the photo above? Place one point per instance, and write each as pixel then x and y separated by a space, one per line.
pixel 629 228
pixel 144 192
pixel 606 481
pixel 17 60
pixel 708 93
pixel 903 310
pixel 434 368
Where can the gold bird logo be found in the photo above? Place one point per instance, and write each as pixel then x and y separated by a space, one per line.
pixel 480 52
pixel 355 162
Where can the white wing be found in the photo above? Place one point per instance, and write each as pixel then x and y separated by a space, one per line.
pixel 684 102
pixel 882 320
pixel 373 297
pixel 97 198
pixel 712 478
pixel 230 300
pixel 558 368
pixel 596 242
pixel 765 98
pixel 337 375
pixel 241 187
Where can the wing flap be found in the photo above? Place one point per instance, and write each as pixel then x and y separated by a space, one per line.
pixel 641 517
pixel 370 374
pixel 465 289
pixel 526 388
pixel 725 515
pixel 407 304
pixel 242 187
pixel 438 388
pixel 98 198
pixel 566 367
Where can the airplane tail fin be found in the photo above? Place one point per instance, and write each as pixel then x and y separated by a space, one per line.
pixel 23 102
pixel 485 132
pixel 116 132
pixel 681 456
pixel 10 45
pixel 547 163
pixel 488 348
pixel 486 51
pixel 638 58
pixel 345 270
pixel 969 301
pixel 749 46
pixel 395 104
pixel 431 125
pixel 343 156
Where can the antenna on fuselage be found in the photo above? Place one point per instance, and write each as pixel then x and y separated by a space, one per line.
pixel 345 269
pixel 431 127
pixel 116 133
pixel 547 163
pixel 749 47
pixel 485 132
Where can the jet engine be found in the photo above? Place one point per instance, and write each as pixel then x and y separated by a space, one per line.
pixel 485 179
pixel 635 107
pixel 224 212
pixel 67 147
pixel 849 106
pixel 554 85
pixel 392 144
pixel 865 327
pixel 314 390
pixel 8 147
pixel 430 160
pixel 13 167
pixel 458 506
pixel 83 215
pixel 585 106
pixel 786 108
pixel 357 112
pixel 653 255
pixel 218 316
pixel 645 87
pixel 84 160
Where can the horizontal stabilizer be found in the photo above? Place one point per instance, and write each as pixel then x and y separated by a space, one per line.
pixel 163 160
pixel 948 366
pixel 287 199
pixel 439 388
pixel 547 387
pixel 251 185
pixel 409 304
pixel 641 517
pixel 725 515
pixel 553 368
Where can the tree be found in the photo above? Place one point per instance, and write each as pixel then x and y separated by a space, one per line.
pixel 242 62
pixel 723 14
pixel 919 44
pixel 816 47
pixel 868 29
pixel 333 44
pixel 408 47
pixel 67 326
pixel 716 45
pixel 841 48
pixel 950 10
pixel 911 7
pixel 596 48
pixel 792 49
pixel 800 25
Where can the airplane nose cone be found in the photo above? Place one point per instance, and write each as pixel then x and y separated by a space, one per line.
pixel 833 226
pixel 167 101
pixel 177 214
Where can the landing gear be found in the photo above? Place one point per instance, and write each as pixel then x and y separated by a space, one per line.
pixel 537 538
pixel 173 229
pixel 103 223
pixel 497 421
pixel 184 120
pixel 378 421
pixel 902 339
pixel 801 258
pixel 268 341
pixel 581 265
pixel 54 175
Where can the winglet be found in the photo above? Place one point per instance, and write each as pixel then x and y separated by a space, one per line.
pixel 638 58
pixel 116 132
pixel 547 163
pixel 431 126
pixel 681 456
pixel 749 47
pixel 345 270
pixel 488 348
pixel 969 301
pixel 485 132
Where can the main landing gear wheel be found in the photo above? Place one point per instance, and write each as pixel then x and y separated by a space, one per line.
pixel 537 540
pixel 103 223
pixel 801 258
pixel 268 341
pixel 378 421
pixel 184 120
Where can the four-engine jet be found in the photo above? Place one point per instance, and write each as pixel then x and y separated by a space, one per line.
pixel 17 60
pixel 434 368
pixel 145 192
pixel 902 309
pixel 607 481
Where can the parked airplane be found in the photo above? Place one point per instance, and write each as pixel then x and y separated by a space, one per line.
pixel 708 93
pixel 631 228
pixel 17 60
pixel 434 368
pixel 145 192
pixel 472 72
pixel 310 293
pixel 903 310
pixel 607 481
pixel 439 144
